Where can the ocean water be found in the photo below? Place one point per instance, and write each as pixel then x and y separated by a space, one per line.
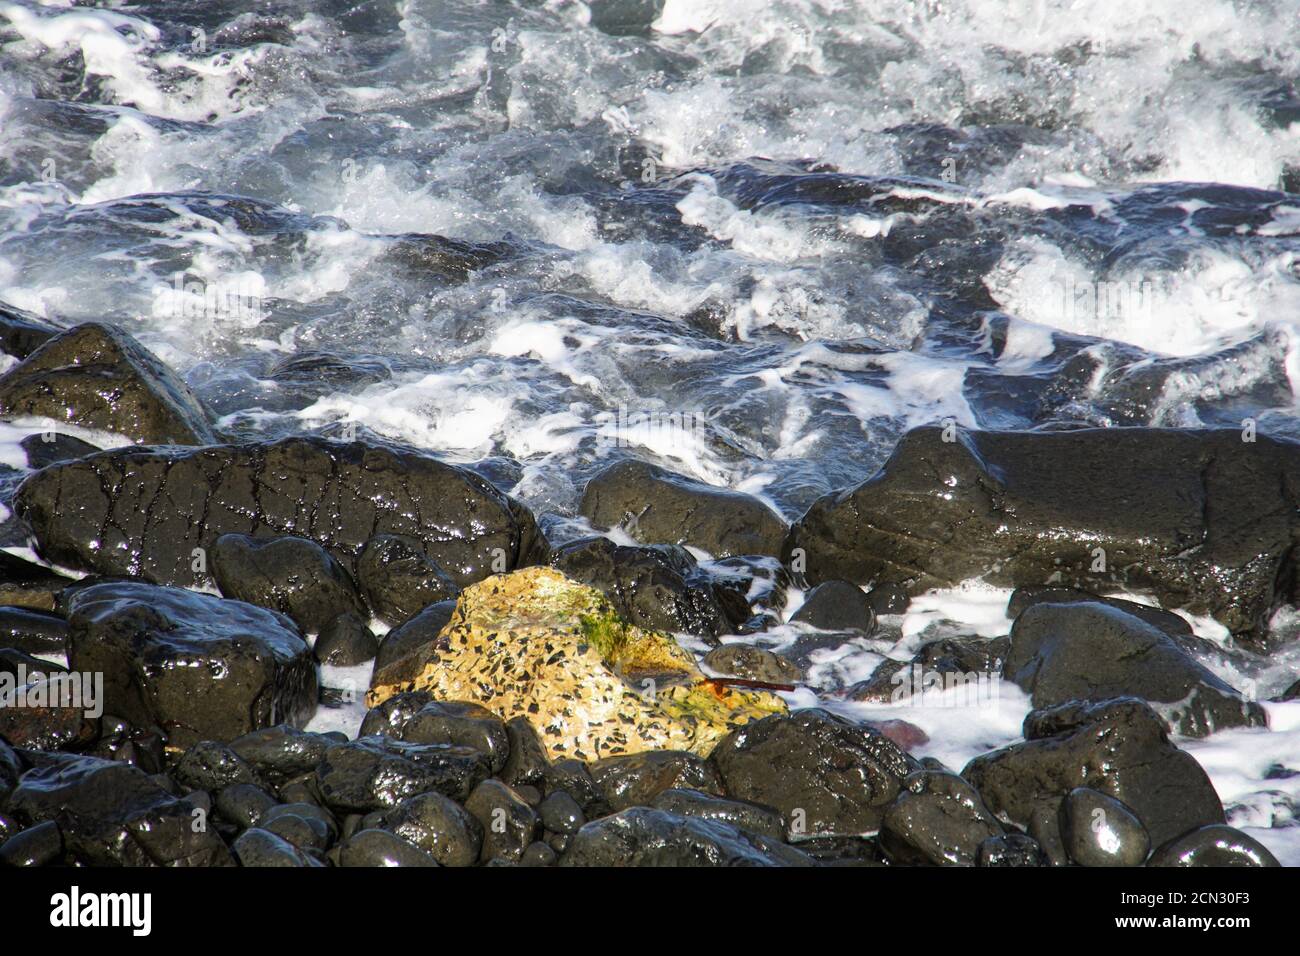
pixel 753 241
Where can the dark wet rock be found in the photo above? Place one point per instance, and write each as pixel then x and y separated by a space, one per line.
pixel 209 765
pixel 1118 747
pixel 398 579
pixel 658 588
pixel 560 813
pixel 1215 845
pixel 752 663
pixel 509 824
pixel 844 851
pixel 142 747
pixel 641 836
pixel 888 599
pixel 971 666
pixel 937 819
pixel 1091 651
pixel 538 854
pixel 281 753
pixel 527 762
pixel 656 506
pixel 417 718
pixel 439 826
pixel 376 847
pixel 197 666
pixel 1045 828
pixel 47 448
pixel 301 789
pixel 243 804
pixel 294 576
pixel 11 768
pixel 47 712
pixel 25 584
pixel 1200 518
pixel 308 833
pixel 741 814
pixel 814 644
pixel 113 814
pixel 1025 597
pixel 836 606
pixel 142 512
pixel 345 641
pixel 41 845
pixel 374 773
pixel 33 632
pixel 826 775
pixel 412 636
pixel 23 332
pixel 574 778
pixel 261 848
pixel 625 18
pixel 98 376
pixel 1291 693
pixel 1098 830
pixel 761 578
pixel 636 779
pixel 1011 849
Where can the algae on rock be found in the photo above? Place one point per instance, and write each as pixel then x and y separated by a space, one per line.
pixel 537 644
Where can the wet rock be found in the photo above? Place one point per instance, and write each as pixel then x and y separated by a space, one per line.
pixel 762 579
pixel 538 645
pixel 538 854
pixel 418 718
pixel 142 512
pixel 560 813
pixel 970 666
pixel 33 632
pixel 741 814
pixel 294 576
pixel 1024 598
pixel 97 376
pixel 509 824
pixel 25 584
pixel 261 848
pixel 374 773
pixel 41 845
pixel 836 606
pixel 23 332
pixel 281 753
pixel 11 769
pixel 908 736
pixel 409 637
pixel 442 828
pixel 888 599
pixel 1091 651
pixel 937 819
pixel 658 588
pixel 527 762
pixel 209 765
pixel 399 579
pixel 113 814
pixel 636 779
pixel 199 667
pixel 1118 747
pixel 44 708
pixel 573 777
pixel 376 847
pixel 47 448
pixel 1098 830
pixel 752 663
pixel 307 835
pixel 641 836
pixel 1011 849
pixel 1192 516
pixel 1214 845
pixel 656 506
pixel 345 642
pixel 323 827
pixel 826 775
pixel 243 804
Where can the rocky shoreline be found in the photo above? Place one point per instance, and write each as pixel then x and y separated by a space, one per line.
pixel 529 704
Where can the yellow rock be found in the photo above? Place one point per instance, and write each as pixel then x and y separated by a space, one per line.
pixel 537 644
